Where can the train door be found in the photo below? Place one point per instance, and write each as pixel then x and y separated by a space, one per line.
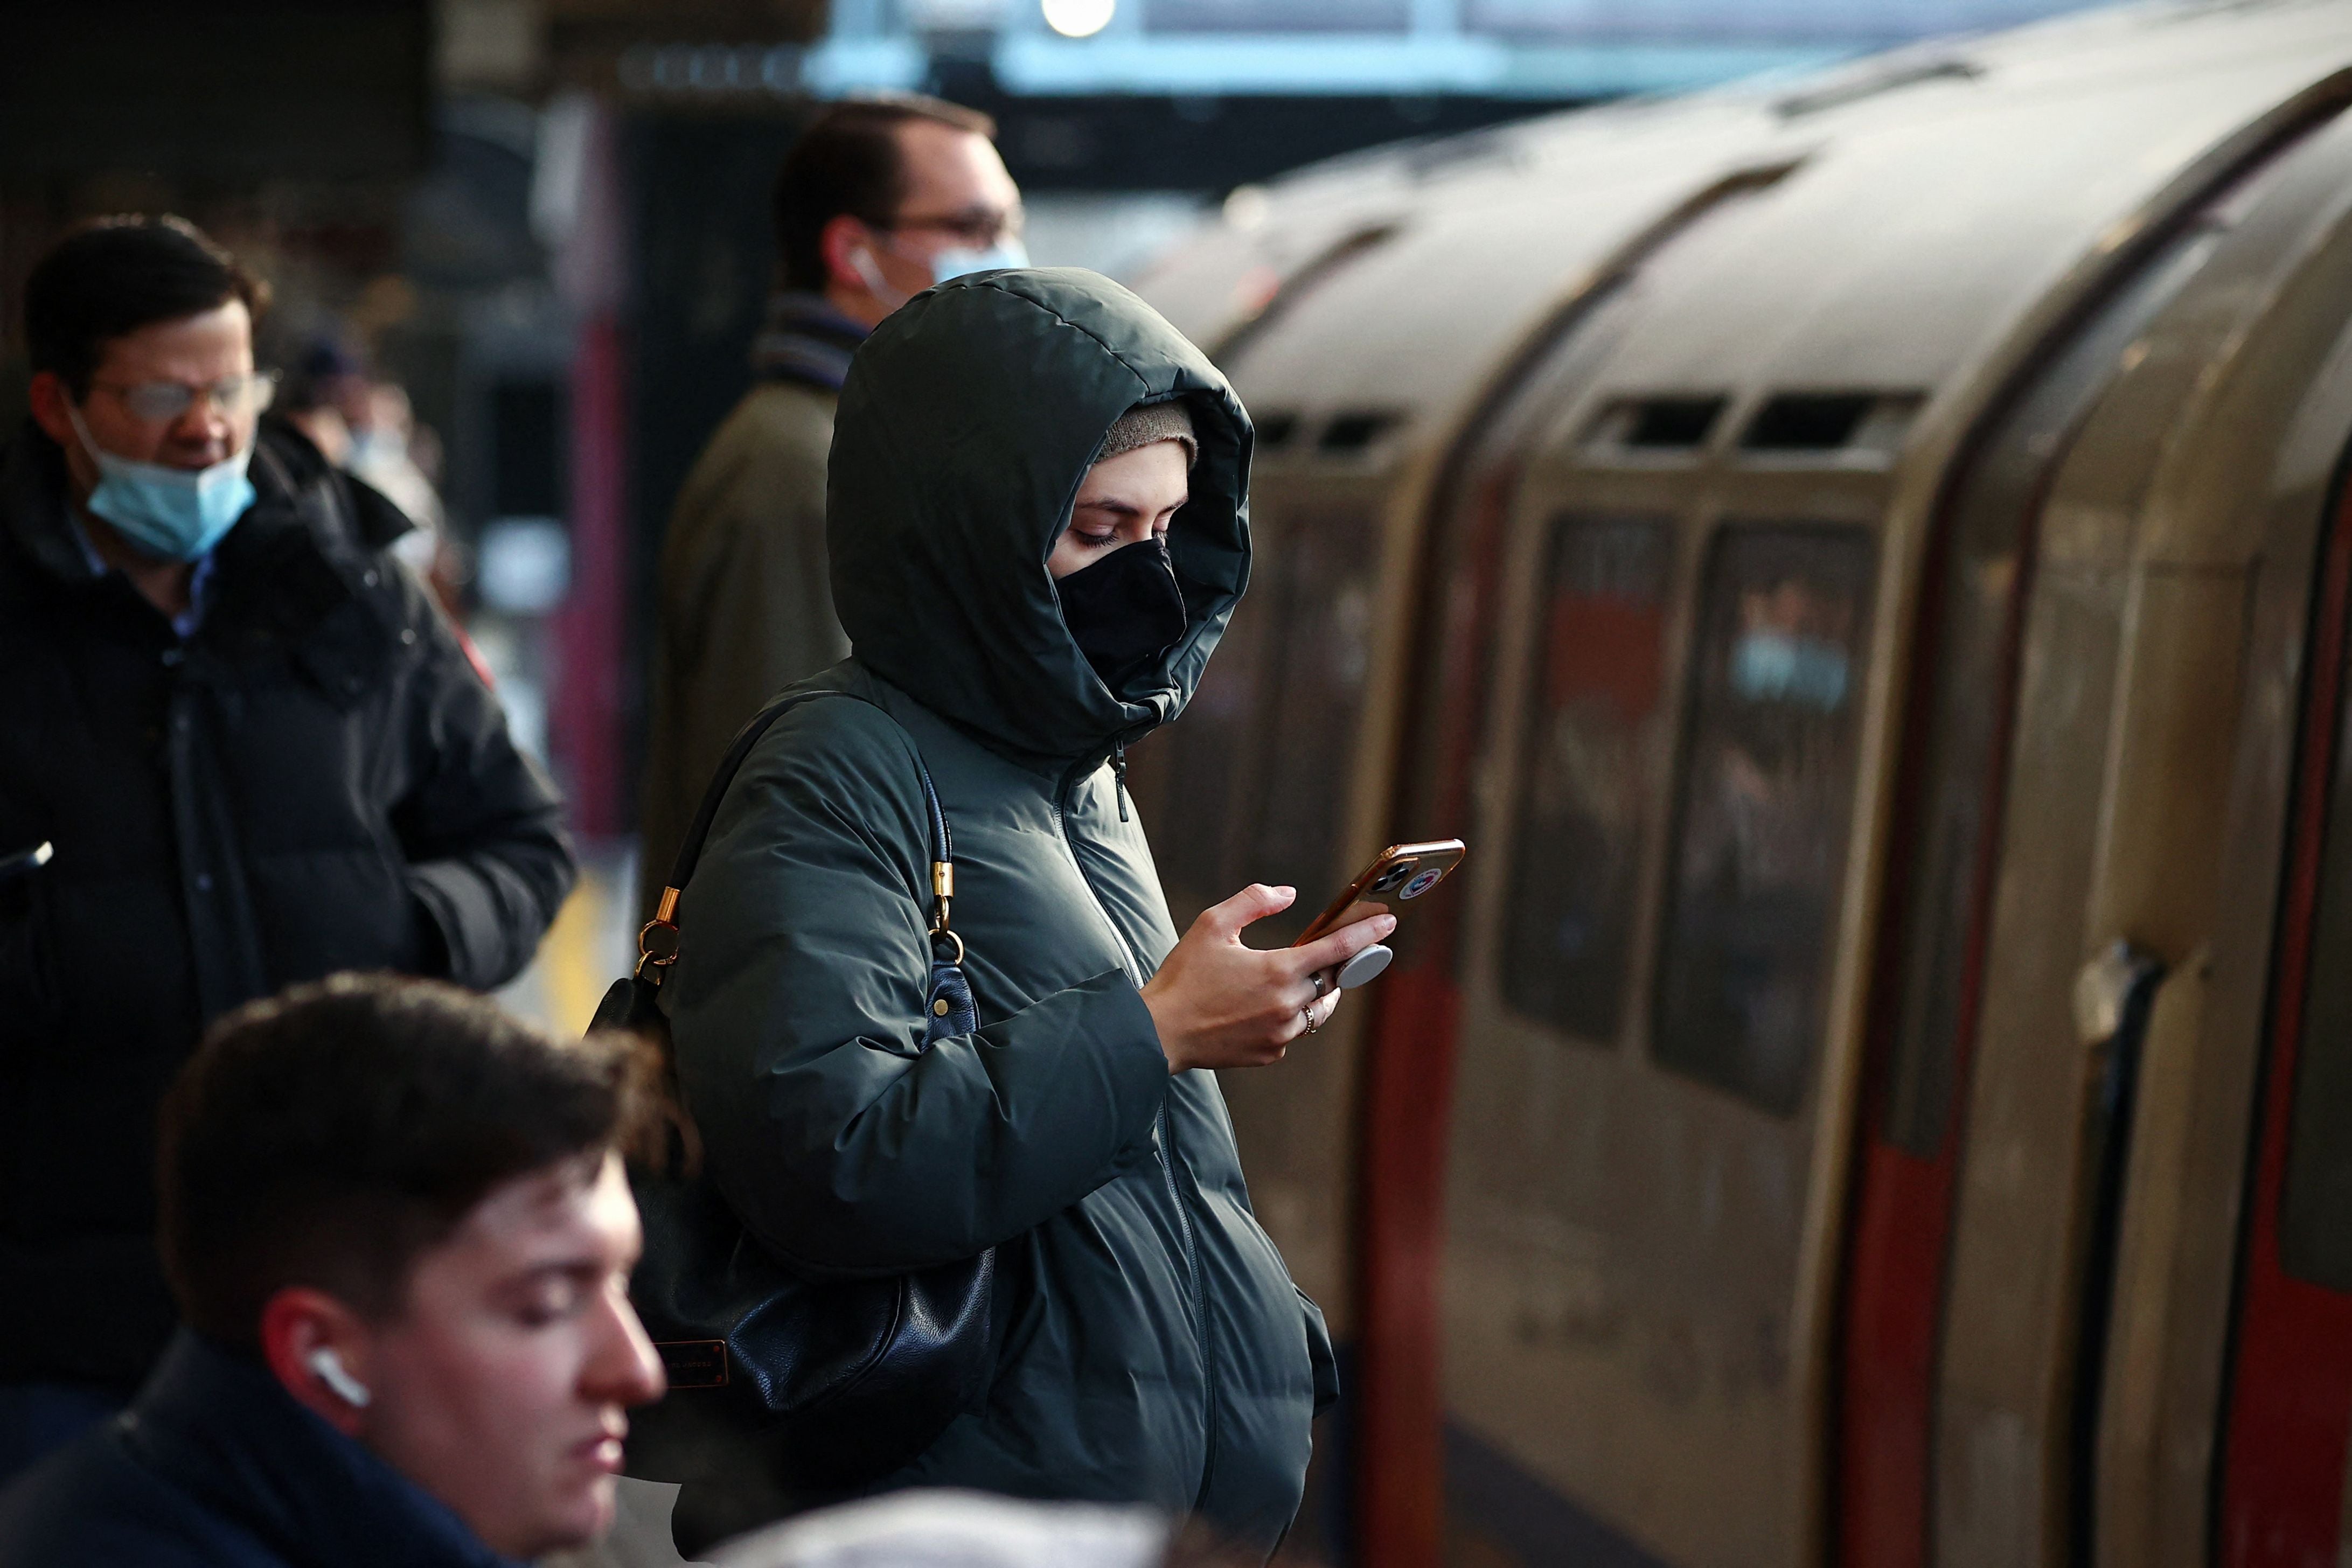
pixel 2071 704
pixel 1939 900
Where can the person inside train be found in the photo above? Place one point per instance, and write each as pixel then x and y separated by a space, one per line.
pixel 1039 530
pixel 256 751
pixel 397 1228
pixel 879 198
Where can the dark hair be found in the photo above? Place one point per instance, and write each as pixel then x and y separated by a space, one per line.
pixel 110 277
pixel 329 1135
pixel 849 160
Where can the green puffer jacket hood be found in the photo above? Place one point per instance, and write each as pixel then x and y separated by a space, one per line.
pixel 968 420
pixel 1153 1347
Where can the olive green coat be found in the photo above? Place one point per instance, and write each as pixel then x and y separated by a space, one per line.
pixel 1155 1349
pixel 743 605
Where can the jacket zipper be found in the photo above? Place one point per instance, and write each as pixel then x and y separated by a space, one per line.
pixel 1166 1130
pixel 1129 958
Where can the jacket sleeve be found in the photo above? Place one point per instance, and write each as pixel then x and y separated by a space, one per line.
pixel 481 826
pixel 797 1018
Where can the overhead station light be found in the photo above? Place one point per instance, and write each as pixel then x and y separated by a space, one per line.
pixel 1078 18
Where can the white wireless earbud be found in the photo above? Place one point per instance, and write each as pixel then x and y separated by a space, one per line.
pixel 869 272
pixel 336 1376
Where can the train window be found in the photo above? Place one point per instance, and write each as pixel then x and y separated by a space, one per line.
pixel 1807 422
pixel 2314 1240
pixel 1860 423
pixel 1763 807
pixel 1356 431
pixel 1586 764
pixel 1319 650
pixel 1655 425
pixel 1275 429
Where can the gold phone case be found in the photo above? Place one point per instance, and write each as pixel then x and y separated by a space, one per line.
pixel 1401 872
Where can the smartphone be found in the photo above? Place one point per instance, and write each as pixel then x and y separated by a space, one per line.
pixel 1401 872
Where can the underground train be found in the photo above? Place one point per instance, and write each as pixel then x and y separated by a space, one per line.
pixel 1865 563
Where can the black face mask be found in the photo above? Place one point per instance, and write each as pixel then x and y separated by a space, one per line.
pixel 1124 611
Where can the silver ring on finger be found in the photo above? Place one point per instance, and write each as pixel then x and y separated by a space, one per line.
pixel 1321 983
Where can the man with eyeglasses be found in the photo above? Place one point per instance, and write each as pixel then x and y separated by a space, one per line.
pixel 880 198
pixel 255 751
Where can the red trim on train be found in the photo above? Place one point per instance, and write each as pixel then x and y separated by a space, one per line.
pixel 1400 1411
pixel 2290 1395
pixel 1895 1296
pixel 1406 1104
pixel 1899 1235
pixel 1899 1246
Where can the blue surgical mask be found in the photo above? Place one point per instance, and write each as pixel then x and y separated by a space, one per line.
pixel 375 448
pixel 953 262
pixel 1774 666
pixel 172 514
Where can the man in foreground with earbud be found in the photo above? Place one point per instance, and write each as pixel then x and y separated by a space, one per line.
pixel 397 1228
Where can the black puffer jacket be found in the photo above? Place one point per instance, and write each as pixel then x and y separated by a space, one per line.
pixel 316 780
pixel 1155 1350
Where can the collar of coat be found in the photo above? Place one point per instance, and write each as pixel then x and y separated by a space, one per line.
pixel 805 340
pixel 219 1428
pixel 290 573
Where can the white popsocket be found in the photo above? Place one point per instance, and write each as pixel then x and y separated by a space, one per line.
pixel 1365 967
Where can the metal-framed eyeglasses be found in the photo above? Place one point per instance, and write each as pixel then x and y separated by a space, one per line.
pixel 160 403
pixel 979 227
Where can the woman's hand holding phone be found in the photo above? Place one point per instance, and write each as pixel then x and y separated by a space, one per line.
pixel 1218 1002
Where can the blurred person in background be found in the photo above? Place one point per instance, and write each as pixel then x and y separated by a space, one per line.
pixel 260 754
pixel 325 381
pixel 397 1228
pixel 365 426
pixel 878 199
pixel 384 451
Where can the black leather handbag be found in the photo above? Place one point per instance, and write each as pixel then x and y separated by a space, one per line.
pixel 785 1386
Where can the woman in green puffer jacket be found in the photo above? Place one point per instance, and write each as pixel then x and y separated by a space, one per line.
pixel 1038 528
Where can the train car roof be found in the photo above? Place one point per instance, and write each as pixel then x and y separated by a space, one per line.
pixel 1913 206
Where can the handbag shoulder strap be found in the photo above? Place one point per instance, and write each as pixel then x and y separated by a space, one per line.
pixel 658 942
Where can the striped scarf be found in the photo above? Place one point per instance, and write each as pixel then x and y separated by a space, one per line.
pixel 805 339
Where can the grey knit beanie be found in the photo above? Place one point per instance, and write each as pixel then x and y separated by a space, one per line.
pixel 1148 421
